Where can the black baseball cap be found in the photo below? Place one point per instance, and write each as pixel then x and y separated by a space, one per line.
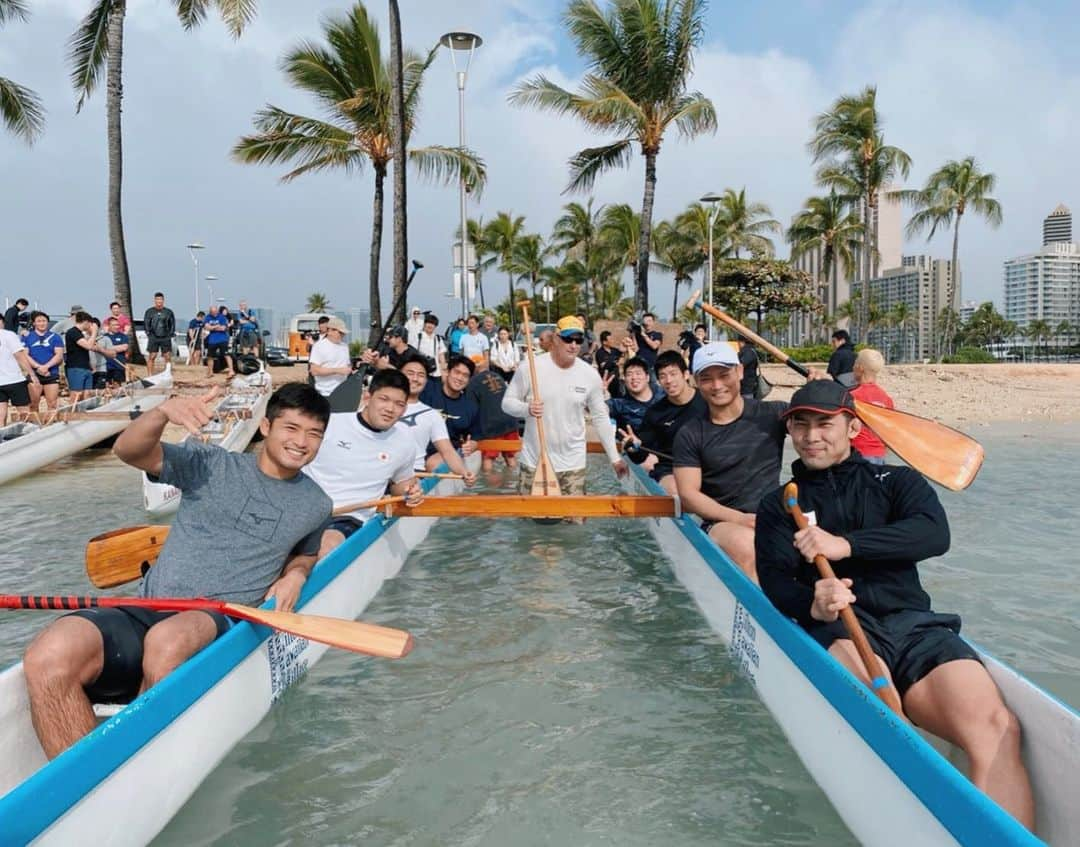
pixel 823 396
pixel 398 332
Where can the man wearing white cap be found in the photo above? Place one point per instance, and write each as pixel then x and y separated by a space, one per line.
pixel 570 389
pixel 727 460
pixel 329 359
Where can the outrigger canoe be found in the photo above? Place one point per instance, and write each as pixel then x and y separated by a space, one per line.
pixel 122 783
pixel 236 419
pixel 888 782
pixel 27 447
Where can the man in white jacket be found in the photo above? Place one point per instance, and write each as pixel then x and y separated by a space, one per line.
pixel 569 389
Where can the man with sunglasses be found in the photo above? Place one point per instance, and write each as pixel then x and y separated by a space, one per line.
pixel 570 389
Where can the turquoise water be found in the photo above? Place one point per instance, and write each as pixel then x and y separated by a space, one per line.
pixel 565 689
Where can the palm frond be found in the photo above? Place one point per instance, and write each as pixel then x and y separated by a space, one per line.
pixel 21 110
pixel 450 164
pixel 693 114
pixel 11 10
pixel 88 49
pixel 190 12
pixel 588 164
pixel 237 14
pixel 542 93
pixel 608 51
pixel 285 137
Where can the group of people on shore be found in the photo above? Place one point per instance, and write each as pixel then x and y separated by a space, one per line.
pixel 686 415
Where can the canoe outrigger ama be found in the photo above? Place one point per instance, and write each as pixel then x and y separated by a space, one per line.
pixel 885 780
pixel 165 743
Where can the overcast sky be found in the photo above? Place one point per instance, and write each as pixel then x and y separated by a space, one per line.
pixel 997 80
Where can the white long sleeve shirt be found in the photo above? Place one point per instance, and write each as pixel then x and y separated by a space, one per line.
pixel 568 394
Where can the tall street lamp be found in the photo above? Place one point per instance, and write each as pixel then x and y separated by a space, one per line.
pixel 712 199
pixel 192 248
pixel 210 280
pixel 466 43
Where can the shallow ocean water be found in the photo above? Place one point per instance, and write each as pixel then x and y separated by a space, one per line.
pixel 565 689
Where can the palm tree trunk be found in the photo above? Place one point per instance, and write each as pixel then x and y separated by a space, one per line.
pixel 868 253
pixel 513 305
pixel 374 300
pixel 397 124
pixel 641 267
pixel 114 92
pixel 954 273
pixel 675 301
pixel 480 285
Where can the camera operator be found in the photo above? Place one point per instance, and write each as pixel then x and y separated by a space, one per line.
pixel 648 338
pixel 395 349
pixel 16 318
pixel 690 341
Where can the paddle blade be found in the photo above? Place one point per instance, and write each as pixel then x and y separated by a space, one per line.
pixel 367 638
pixel 945 455
pixel 545 483
pixel 123 555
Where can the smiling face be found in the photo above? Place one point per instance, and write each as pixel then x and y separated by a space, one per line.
pixel 385 407
pixel 719 385
pixel 636 380
pixel 115 308
pixel 416 373
pixel 41 323
pixel 822 440
pixel 673 380
pixel 564 350
pixel 291 441
pixel 457 378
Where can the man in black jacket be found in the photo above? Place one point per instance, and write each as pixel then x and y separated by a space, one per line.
pixel 874 523
pixel 842 361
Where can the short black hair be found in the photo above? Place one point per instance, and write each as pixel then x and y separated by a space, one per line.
pixel 95 322
pixel 842 335
pixel 457 359
pixel 159 294
pixel 429 318
pixel 648 315
pixel 200 314
pixel 605 335
pixel 700 326
pixel 637 362
pixel 34 314
pixel 114 303
pixel 416 358
pixel 82 317
pixel 669 358
pixel 389 378
pixel 22 303
pixel 302 397
pixel 325 319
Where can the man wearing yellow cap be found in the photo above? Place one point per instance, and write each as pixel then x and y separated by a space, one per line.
pixel 570 389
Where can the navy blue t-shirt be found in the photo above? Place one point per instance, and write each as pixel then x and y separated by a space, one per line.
pixel 460 413
pixel 117 363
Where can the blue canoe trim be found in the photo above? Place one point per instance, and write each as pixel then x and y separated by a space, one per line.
pixel 30 808
pixel 968 814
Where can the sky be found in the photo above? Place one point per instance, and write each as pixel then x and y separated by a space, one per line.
pixel 996 80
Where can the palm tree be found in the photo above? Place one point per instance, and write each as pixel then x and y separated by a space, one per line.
pixel 851 311
pixel 827 224
pixel 1039 331
pixel 857 163
pixel 620 229
pixel 528 259
pixel 399 140
pixel 948 193
pixel 675 253
pixel 742 224
pixel 20 108
pixel 902 317
pixel 317 302
pixel 577 234
pixel 640 57
pixel 351 83
pixel 485 256
pixel 501 235
pixel 98 43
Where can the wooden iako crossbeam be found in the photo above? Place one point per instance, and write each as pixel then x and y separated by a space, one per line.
pixel 510 445
pixel 528 506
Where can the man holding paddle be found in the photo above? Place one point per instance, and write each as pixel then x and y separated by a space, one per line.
pixel 874 523
pixel 248 528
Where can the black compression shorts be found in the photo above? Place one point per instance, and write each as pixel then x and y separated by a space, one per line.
pixel 123 629
pixel 911 642
pixel 345 525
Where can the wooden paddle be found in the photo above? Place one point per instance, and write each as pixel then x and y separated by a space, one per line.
pixel 880 684
pixel 545 483
pixel 358 637
pixel 433 475
pixel 123 555
pixel 945 455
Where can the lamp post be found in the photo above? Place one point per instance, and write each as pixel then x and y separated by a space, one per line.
pixel 712 199
pixel 463 42
pixel 192 247
pixel 210 280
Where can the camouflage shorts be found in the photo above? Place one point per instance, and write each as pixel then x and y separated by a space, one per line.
pixel 570 482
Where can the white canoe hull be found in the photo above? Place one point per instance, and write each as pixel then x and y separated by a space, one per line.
pixel 122 784
pixel 35 450
pixel 888 784
pixel 161 500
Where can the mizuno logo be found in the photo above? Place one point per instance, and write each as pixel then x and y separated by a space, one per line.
pixel 668 423
pixel 345 445
pixel 410 420
pixel 259 519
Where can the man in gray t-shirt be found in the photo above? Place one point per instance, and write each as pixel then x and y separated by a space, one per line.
pixel 248 529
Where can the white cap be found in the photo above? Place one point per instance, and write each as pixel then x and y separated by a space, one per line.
pixel 716 353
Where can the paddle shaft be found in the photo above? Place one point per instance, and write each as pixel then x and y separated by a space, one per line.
pixel 432 475
pixel 746 332
pixel 543 463
pixel 880 684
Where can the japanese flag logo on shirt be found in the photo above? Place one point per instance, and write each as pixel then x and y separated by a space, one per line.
pixel 384 457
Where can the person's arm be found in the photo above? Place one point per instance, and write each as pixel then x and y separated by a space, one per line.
pixel 294 573
pixel 57 357
pixel 27 364
pixel 140 444
pixel 319 369
pixel 653 343
pixel 597 409
pixel 514 402
pixel 920 529
pixel 778 562
pixel 453 459
pixel 121 348
pixel 687 468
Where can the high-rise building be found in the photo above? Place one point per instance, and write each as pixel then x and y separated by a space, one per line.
pixel 921 284
pixel 1044 286
pixel 1057 226
pixel 967 309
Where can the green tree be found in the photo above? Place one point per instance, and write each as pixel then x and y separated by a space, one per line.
pixel 857 163
pixel 317 302
pixel 762 285
pixel 502 235
pixel 1039 332
pixel 20 108
pixel 399 139
pixel 987 326
pixel 903 317
pixel 351 83
pixel 675 253
pixel 639 56
pixel 485 256
pixel 577 234
pixel 620 230
pixel 743 225
pixel 98 44
pixel 528 259
pixel 949 192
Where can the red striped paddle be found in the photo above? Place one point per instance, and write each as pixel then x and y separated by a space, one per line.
pixel 358 637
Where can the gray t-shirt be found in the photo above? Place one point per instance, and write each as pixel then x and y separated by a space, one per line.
pixel 236 525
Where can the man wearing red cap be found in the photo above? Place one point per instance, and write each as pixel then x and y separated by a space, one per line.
pixel 874 523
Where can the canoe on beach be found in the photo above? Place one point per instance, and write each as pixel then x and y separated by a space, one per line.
pixel 888 782
pixel 25 447
pixel 165 743
pixel 235 422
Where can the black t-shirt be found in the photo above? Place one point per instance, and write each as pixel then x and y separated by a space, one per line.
pixel 739 461
pixel 396 358
pixel 644 350
pixel 748 358
pixel 662 422
pixel 486 389
pixel 74 355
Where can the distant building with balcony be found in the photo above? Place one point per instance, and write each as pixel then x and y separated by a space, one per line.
pixel 1044 286
pixel 1057 226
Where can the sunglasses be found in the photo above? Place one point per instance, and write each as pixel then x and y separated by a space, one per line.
pixel 573 339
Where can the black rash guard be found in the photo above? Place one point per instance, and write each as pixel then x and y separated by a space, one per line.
pixel 662 422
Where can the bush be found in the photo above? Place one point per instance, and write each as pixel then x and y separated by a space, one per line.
pixel 970 356
pixel 810 353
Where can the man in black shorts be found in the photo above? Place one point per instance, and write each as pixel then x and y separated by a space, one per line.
pixel 874 523
pixel 248 529
pixel 159 322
